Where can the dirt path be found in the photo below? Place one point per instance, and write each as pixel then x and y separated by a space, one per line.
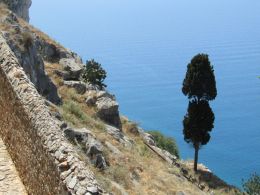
pixel 10 182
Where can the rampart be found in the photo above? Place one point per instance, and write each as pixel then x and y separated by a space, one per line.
pixel 46 161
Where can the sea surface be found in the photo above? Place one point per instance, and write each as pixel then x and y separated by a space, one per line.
pixel 145 46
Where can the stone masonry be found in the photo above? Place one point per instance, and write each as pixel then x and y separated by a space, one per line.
pixel 10 182
pixel 47 163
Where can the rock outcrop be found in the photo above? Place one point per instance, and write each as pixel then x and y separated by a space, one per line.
pixel 107 110
pixel 106 105
pixel 79 86
pixel 93 147
pixel 22 43
pixel 72 68
pixel 19 7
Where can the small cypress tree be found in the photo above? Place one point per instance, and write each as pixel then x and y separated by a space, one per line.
pixel 197 124
pixel 94 74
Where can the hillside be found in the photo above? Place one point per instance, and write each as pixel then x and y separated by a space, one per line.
pixel 123 157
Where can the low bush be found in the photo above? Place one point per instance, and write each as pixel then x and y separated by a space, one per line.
pixel 166 143
pixel 252 185
pixel 93 73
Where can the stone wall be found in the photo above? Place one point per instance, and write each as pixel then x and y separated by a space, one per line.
pixel 45 160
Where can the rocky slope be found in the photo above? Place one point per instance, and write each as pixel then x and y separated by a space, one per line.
pixel 123 157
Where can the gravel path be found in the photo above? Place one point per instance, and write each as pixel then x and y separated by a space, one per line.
pixel 10 182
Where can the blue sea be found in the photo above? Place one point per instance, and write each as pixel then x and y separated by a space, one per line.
pixel 145 47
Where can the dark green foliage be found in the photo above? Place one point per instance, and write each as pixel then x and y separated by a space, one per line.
pixel 198 122
pixel 199 85
pixel 252 185
pixel 27 40
pixel 199 82
pixel 166 143
pixel 94 74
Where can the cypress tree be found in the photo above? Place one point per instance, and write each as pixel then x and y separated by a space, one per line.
pixel 199 85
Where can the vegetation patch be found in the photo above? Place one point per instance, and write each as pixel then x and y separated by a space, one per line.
pixel 252 185
pixel 73 113
pixel 27 40
pixel 129 126
pixel 165 143
pixel 93 73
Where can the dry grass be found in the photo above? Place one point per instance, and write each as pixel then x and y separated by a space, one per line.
pixel 155 176
pixel 3 10
pixel 3 25
pixel 39 33
pixel 129 127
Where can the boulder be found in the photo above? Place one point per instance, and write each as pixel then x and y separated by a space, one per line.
pixel 92 190
pixel 94 94
pixel 100 162
pixel 113 149
pixel 107 110
pixel 63 125
pixel 80 135
pixel 79 86
pixel 105 94
pixel 169 155
pixel 91 100
pixel 118 135
pixel 148 138
pixel 115 132
pixel 91 87
pixel 50 52
pixel 72 68
pixel 93 147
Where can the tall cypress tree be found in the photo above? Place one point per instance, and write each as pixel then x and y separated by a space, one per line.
pixel 199 85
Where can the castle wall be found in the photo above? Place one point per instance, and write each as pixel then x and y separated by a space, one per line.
pixel 46 161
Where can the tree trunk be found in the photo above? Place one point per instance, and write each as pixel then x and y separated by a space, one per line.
pixel 196 147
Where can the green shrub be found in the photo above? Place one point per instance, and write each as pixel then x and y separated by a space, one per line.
pixel 252 185
pixel 94 74
pixel 73 113
pixel 166 143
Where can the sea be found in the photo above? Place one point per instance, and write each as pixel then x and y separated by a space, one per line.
pixel 145 46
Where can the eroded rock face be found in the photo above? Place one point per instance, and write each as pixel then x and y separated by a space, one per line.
pixel 19 7
pixel 79 86
pixel 73 68
pixel 93 147
pixel 107 110
pixel 118 135
pixel 22 43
